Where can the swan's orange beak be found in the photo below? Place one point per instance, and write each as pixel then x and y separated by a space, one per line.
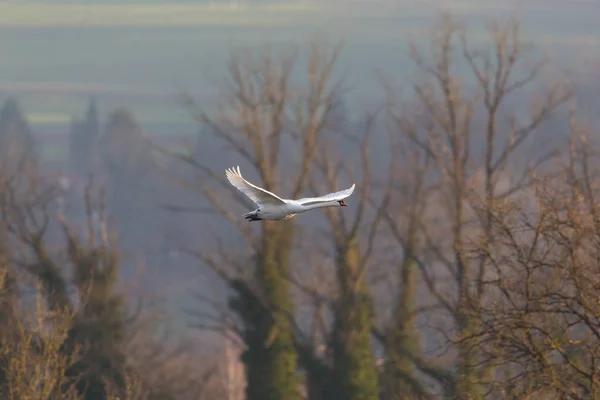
pixel 343 203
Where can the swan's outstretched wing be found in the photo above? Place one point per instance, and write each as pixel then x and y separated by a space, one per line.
pixel 342 194
pixel 256 194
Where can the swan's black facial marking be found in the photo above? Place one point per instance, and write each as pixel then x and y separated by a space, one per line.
pixel 342 203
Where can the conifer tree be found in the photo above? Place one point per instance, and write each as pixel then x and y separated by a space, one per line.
pixel 17 144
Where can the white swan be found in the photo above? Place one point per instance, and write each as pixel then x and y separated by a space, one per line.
pixel 272 207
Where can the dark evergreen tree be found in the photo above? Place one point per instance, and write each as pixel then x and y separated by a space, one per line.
pixel 128 162
pixel 82 140
pixel 123 151
pixel 77 157
pixel 92 122
pixel 17 143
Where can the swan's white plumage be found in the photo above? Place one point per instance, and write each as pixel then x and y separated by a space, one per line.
pixel 272 207
pixel 256 194
pixel 342 194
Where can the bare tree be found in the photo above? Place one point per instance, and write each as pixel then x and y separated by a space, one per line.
pixel 167 368
pixel 353 373
pixel 75 273
pixel 448 120
pixel 403 214
pixel 541 328
pixel 35 365
pixel 265 115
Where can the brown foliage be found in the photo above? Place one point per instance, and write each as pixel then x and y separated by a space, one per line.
pixel 541 326
pixel 448 231
pixel 34 362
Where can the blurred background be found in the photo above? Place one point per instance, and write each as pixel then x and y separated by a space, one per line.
pixel 118 119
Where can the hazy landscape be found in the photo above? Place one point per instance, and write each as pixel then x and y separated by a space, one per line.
pixel 117 71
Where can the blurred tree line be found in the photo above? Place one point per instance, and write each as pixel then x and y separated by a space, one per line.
pixel 466 267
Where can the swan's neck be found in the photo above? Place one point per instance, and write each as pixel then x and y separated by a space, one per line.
pixel 320 205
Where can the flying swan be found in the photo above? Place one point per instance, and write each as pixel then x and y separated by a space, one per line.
pixel 273 208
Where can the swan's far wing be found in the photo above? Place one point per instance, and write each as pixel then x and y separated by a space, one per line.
pixel 341 195
pixel 256 194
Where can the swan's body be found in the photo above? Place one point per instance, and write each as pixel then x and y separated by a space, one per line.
pixel 272 207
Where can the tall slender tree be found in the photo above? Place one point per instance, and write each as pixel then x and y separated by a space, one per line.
pixel 17 143
pixel 266 111
pixel 354 374
pixel 442 122
pixel 82 140
pixel 128 163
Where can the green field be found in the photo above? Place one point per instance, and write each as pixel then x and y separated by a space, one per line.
pixel 56 55
pixel 88 15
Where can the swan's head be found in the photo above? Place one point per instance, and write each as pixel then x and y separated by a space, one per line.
pixel 342 203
